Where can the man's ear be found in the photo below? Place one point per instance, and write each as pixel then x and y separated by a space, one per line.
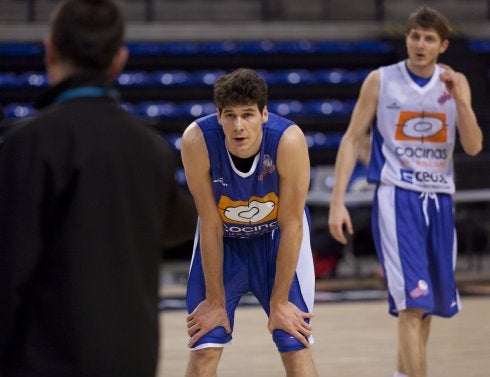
pixel 218 114
pixel 52 60
pixel 265 114
pixel 51 55
pixel 444 46
pixel 118 62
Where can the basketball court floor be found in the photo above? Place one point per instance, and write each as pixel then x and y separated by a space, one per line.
pixel 354 335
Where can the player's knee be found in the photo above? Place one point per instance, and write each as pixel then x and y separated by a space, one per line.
pixel 286 342
pixel 216 337
pixel 412 316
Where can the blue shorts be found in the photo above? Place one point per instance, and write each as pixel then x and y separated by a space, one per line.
pixel 415 241
pixel 249 266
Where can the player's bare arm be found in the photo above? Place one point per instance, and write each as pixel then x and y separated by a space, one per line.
pixel 470 134
pixel 294 176
pixel 211 312
pixel 347 155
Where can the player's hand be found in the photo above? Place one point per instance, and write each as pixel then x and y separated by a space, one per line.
pixel 338 220
pixel 289 318
pixel 454 81
pixel 204 318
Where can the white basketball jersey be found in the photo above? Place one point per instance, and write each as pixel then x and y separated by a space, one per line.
pixel 414 134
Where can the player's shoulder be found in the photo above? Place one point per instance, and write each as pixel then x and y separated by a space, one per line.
pixel 192 135
pixel 371 82
pixel 293 138
pixel 374 75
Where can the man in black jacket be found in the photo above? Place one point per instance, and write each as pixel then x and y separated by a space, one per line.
pixel 85 190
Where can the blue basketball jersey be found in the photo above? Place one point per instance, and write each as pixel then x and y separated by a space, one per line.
pixel 247 202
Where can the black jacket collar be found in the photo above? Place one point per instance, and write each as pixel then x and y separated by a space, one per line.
pixel 76 81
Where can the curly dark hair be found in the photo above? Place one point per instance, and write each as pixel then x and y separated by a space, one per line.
pixel 88 33
pixel 243 86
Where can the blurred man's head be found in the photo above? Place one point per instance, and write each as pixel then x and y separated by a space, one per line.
pixel 429 18
pixel 85 36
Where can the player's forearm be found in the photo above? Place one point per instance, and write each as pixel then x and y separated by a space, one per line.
pixel 470 134
pixel 344 166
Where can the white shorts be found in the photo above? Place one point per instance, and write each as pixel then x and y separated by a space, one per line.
pixel 415 240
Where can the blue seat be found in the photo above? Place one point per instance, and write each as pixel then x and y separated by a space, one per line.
pixel 21 49
pixel 294 47
pixel 8 80
pixel 479 46
pixel 26 79
pixel 323 140
pixel 291 77
pixel 333 76
pixel 170 78
pixel 218 47
pixel 253 47
pixel 258 47
pixel 286 107
pixel 162 48
pixel 349 47
pixel 133 78
pixel 18 110
pixel 155 109
pixel 329 107
pixel 206 77
pixel 339 76
pixel 373 46
pixel 268 76
pixel 195 109
pixel 32 79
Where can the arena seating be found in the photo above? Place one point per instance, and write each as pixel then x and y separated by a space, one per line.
pixel 315 83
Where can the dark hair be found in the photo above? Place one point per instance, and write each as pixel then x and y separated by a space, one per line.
pixel 426 17
pixel 88 33
pixel 241 87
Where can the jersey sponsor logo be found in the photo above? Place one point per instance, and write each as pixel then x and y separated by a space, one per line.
pixel 255 210
pixel 406 175
pixel 427 153
pixel 268 167
pixel 424 177
pixel 422 289
pixel 444 98
pixel 247 231
pixel 421 127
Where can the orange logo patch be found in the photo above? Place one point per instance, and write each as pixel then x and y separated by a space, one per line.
pixel 421 127
pixel 255 210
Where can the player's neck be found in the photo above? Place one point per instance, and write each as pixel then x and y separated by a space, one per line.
pixel 423 71
pixel 419 80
